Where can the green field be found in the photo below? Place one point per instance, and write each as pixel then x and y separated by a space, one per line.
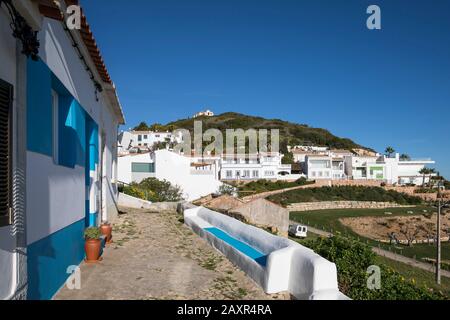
pixel 329 220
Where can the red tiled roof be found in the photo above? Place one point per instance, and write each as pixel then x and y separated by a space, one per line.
pixel 49 9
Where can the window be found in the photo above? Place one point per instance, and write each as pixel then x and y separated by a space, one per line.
pixel 139 137
pixel 269 173
pixel 145 137
pixel 255 173
pixel 55 109
pixel 238 174
pixel 313 174
pixel 229 174
pixel 142 167
pixel 6 93
pixel 246 174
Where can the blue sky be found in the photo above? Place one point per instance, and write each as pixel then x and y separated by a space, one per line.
pixel 312 62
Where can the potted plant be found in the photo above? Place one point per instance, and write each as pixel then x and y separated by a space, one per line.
pixel 92 245
pixel 106 230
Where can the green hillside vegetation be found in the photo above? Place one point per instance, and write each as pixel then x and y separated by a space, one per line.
pixel 342 193
pixel 290 133
pixel 264 185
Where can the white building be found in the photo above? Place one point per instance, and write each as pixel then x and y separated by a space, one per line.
pixel 206 113
pixel 59 116
pixel 392 170
pixel 253 167
pixel 196 177
pixel 146 139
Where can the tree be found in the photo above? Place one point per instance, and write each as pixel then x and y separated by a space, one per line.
pixel 142 127
pixel 423 172
pixel 431 172
pixel 410 231
pixel 405 157
pixel 389 151
pixel 288 158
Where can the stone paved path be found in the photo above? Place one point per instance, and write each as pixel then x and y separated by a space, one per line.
pixel 155 256
pixel 390 255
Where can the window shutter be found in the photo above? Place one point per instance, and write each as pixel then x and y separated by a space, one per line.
pixel 6 91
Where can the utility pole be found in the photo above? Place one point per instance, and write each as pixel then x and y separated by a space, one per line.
pixel 438 233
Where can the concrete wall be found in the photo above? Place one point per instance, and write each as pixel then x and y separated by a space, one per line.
pixel 289 267
pixel 132 202
pixel 328 205
pixel 265 214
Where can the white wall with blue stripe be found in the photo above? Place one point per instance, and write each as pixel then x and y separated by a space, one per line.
pixel 62 160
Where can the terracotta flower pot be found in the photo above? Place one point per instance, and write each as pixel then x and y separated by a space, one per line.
pixel 92 248
pixel 106 230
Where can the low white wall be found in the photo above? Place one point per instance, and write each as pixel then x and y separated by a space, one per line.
pixel 132 202
pixel 289 267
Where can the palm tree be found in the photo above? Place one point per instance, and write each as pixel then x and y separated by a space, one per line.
pixel 389 151
pixel 423 172
pixel 430 173
pixel 405 157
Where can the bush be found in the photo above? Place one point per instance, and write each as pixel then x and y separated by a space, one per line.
pixel 264 185
pixel 134 192
pixel 160 190
pixel 425 190
pixel 342 193
pixel 352 259
pixel 227 189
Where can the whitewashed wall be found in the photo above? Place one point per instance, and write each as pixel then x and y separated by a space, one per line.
pixel 57 52
pixel 177 169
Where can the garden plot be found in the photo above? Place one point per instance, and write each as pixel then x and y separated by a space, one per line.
pixel 406 229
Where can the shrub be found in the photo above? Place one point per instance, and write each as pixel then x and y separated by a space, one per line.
pixel 352 259
pixel 264 185
pixel 160 190
pixel 341 193
pixel 227 189
pixel 92 233
pixel 134 192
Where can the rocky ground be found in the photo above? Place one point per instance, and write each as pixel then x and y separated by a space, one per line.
pixel 155 256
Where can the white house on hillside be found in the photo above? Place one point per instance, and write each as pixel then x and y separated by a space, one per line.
pixel 206 113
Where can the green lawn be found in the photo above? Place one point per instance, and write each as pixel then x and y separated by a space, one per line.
pixel 329 220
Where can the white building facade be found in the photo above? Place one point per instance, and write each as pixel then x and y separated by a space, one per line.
pixel 253 167
pixel 61 166
pixel 197 177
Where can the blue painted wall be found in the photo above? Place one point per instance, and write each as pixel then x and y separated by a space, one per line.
pixel 39 108
pixel 49 258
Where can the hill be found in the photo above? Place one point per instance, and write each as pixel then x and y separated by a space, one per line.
pixel 290 133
